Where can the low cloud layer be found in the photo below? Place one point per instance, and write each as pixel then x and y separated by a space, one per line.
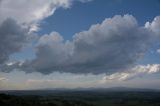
pixel 138 71
pixel 112 46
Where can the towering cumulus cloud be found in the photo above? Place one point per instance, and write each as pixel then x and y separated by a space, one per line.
pixel 114 45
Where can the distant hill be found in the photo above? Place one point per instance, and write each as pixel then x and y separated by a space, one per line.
pixel 82 90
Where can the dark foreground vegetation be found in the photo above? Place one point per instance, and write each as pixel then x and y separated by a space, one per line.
pixel 80 98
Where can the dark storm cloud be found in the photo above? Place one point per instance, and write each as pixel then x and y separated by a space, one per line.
pixel 12 38
pixel 114 45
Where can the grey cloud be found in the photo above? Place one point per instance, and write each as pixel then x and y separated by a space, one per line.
pixel 12 38
pixel 114 45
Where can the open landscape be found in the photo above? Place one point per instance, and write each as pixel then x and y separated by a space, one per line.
pixel 79 52
pixel 79 97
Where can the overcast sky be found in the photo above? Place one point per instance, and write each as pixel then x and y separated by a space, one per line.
pixel 79 43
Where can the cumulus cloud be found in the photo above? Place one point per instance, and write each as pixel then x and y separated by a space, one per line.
pixel 114 45
pixel 154 26
pixel 18 21
pixel 13 39
pixel 137 71
pixel 31 12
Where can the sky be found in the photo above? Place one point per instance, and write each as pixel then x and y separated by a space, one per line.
pixel 79 44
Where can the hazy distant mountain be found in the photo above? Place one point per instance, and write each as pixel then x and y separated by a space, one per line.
pixel 116 89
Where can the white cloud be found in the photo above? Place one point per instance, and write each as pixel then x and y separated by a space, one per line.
pixel 137 71
pixel 154 25
pixel 31 12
